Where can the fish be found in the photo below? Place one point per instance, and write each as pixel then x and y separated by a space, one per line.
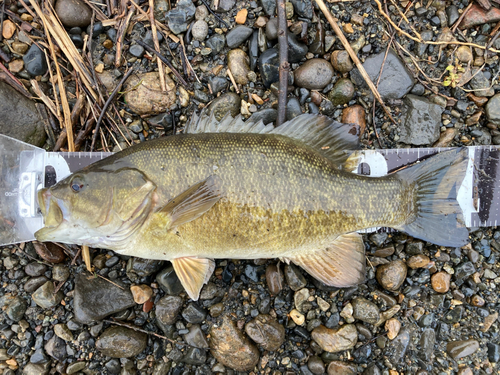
pixel 244 190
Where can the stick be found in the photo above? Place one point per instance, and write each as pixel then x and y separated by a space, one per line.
pixel 162 58
pixel 2 14
pixel 120 36
pixel 459 21
pixel 353 56
pixel 157 45
pixel 233 81
pixel 284 65
pixel 106 105
pixel 86 257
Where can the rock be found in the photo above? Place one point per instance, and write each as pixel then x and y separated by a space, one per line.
pixel 395 81
pixel 296 50
pixel 421 121
pixel 493 109
pixel 136 50
pixel 297 317
pixel 266 332
pixel 269 66
pixel 45 297
pixel 294 277
pixel 144 95
pixel 355 114
pixel 238 62
pixel 36 369
pixel 303 8
pixel 335 340
pixel 342 92
pixel 493 352
pixel 141 293
pixel 441 281
pixel 16 66
pixel 391 275
pixel 392 326
pixel 478 16
pixel 418 261
pixel 8 29
pixel 168 281
pixel 427 341
pixel 274 279
pixel 200 30
pixel 227 103
pixel 49 252
pixel 95 299
pixel 365 310
pixel 62 331
pixel 231 348
pixel 34 61
pixel 216 43
pixel 75 367
pixel 179 17
pixel 194 314
pixel 56 348
pixel 195 337
pixel 316 365
pixel 446 137
pixel 480 84
pixel 372 370
pixel 452 14
pixel 238 35
pixel 73 13
pixel 121 342
pixel 464 54
pixel 241 16
pixel 272 29
pixel 399 345
pixel 293 108
pixel 15 309
pixel 314 74
pixel 225 6
pixel 167 310
pixel 341 368
pixel 139 267
pixel 460 349
pixel 341 61
pixel 269 7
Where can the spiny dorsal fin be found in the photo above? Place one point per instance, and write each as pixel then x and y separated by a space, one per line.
pixel 331 138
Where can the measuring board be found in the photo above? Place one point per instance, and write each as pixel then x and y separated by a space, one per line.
pixel 25 169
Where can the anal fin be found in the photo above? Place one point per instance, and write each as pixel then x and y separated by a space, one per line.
pixel 193 274
pixel 342 264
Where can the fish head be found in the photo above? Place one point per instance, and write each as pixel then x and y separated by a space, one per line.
pixel 95 207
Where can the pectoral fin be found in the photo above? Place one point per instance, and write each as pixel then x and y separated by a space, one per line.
pixel 193 202
pixel 193 274
pixel 342 264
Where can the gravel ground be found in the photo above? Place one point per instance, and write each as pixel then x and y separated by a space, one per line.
pixel 424 309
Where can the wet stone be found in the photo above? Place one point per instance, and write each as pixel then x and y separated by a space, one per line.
pixel 269 7
pixel 266 332
pixel 238 62
pixel 341 61
pixel 314 74
pixel 35 269
pixel 342 92
pixel 96 298
pixel 399 345
pixel 44 296
pixel 274 279
pixel 34 61
pixel 460 349
pixel 493 352
pixel 195 356
pixel 272 29
pixel 421 121
pixel 194 314
pixel 303 8
pixel 73 13
pixel 216 43
pixel 62 331
pixel 418 261
pixel 341 368
pixel 392 275
pixel 316 365
pixel 75 367
pixel 293 108
pixel 141 293
pixel 195 337
pixel 60 272
pixel 121 342
pixel 168 281
pixel 480 84
pixel 167 309
pixel 365 310
pixel 269 66
pixel 335 340
pixel 355 115
pixel 34 283
pixel 225 5
pixel 226 103
pixel 441 281
pixel 238 35
pixel 56 348
pixel 395 81
pixel 179 17
pixel 136 50
pixel 231 348
pixel 427 341
pixel 139 267
pixel 296 50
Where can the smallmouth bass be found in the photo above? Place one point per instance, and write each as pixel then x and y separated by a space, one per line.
pixel 243 191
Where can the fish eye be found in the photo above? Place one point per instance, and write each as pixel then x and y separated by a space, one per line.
pixel 76 184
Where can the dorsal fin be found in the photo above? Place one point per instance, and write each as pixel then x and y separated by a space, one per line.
pixel 331 138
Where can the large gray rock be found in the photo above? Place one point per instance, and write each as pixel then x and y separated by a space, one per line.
pixel 96 298
pixel 396 81
pixel 493 109
pixel 421 121
pixel 19 117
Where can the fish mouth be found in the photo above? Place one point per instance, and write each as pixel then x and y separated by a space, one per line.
pixel 52 215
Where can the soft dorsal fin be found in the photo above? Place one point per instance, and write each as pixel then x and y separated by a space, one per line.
pixel 331 138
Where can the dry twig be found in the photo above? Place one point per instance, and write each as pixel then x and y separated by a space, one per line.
pixel 86 257
pixel 284 65
pixel 157 45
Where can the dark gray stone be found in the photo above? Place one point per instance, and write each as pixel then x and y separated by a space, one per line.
pixel 56 348
pixel 492 109
pixel 294 277
pixel 452 14
pixel 73 13
pixel 480 84
pixel 216 43
pixel 395 81
pixel 121 342
pixel 399 345
pixel 269 7
pixel 167 310
pixel 45 297
pixel 136 50
pixel 238 35
pixel 293 108
pixel 196 337
pixel 303 8
pixel 272 29
pixel 267 115
pixel 179 17
pixel 427 341
pixel 218 84
pixel 34 61
pixel 296 50
pixel 169 282
pixel 96 298
pixel 194 314
pixel 421 121
pixel 225 6
pixel 269 66
pixel 34 283
pixel 227 103
pixel 195 356
pixel 16 308
pixel 493 352
pixel 139 267
pixel 39 356
pixel 365 310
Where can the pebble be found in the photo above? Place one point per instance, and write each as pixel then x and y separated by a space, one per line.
pixel 144 96
pixel 303 8
pixel 75 367
pixel 9 28
pixel 493 109
pixel 44 296
pixel 342 92
pixel 241 16
pixel 441 281
pixel 296 50
pixel 15 309
pixel 391 275
pixel 179 17
pixel 200 30
pixel 60 272
pixel 238 35
pixel 216 43
pixel 452 14
pixel 168 281
pixel 239 65
pixel 167 309
pixel 136 50
pixel 62 331
pixel 56 348
pixel 314 74
pixel 464 54
pixel 73 13
pixel 35 269
pixel 341 368
pixel 478 16
pixel 266 332
pixel 460 349
pixel 293 108
pixel 335 340
pixel 446 137
pixel 35 63
pixel 297 317
pixel 493 352
pixel 269 66
pixel 392 326
pixel 269 7
pixel 19 47
pixel 272 29
pixel 16 66
pixel 274 279
pixel 480 84
pixel 230 347
pixel 95 298
pixel 316 365
pixel 422 121
pixel 194 314
pixel 121 342
pixel 37 369
pixel 355 114
pixel 141 293
pixel 365 310
pixel 226 103
pixel 418 261
pixel 195 337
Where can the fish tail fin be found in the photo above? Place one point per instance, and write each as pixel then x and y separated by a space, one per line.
pixel 438 216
